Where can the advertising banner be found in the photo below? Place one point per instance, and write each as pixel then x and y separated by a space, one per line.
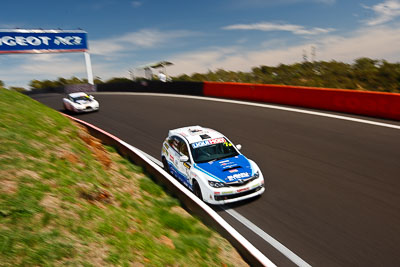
pixel 42 41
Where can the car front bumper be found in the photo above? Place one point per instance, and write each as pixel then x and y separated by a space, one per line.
pixel 86 109
pixel 227 195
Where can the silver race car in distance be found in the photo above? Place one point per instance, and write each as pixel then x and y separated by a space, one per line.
pixel 211 166
pixel 80 102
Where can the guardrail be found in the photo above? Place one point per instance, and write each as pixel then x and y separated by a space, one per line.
pixel 374 104
pixel 249 253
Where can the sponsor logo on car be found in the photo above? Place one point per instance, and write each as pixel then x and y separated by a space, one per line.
pixel 208 142
pixel 238 176
pixel 243 189
pixel 217 141
pixel 256 185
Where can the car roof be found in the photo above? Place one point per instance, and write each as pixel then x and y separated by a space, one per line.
pixel 196 133
pixel 77 94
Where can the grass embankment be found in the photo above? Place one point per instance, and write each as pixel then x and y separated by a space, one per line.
pixel 65 199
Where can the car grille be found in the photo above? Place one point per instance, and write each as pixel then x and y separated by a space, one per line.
pixel 226 197
pixel 241 182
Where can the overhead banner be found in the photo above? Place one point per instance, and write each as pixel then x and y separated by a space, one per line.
pixel 42 41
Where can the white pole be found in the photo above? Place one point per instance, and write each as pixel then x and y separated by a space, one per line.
pixel 89 68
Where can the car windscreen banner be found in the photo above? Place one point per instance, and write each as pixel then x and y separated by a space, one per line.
pixel 42 41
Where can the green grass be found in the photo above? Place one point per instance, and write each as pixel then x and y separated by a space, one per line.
pixel 60 205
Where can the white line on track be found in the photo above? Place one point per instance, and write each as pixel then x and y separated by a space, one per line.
pixel 269 239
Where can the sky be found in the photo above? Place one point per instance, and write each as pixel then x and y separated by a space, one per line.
pixel 200 36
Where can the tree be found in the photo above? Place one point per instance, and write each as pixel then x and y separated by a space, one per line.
pixel 97 80
pixel 363 74
pixel 365 71
pixel 119 80
pixel 388 76
pixel 18 89
pixel 1 84
pixel 46 84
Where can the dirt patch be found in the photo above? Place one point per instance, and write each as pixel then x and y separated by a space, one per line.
pixel 228 254
pixel 91 252
pixel 8 174
pixel 8 187
pixel 130 188
pixel 28 173
pixel 95 194
pixel 166 241
pixel 95 146
pixel 50 203
pixel 179 210
pixel 37 145
pixel 69 156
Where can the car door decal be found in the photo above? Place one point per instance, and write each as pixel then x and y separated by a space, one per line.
pixel 173 164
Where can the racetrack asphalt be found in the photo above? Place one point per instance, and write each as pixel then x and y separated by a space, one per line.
pixel 332 186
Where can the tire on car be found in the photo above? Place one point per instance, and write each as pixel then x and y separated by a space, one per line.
pixel 197 190
pixel 166 167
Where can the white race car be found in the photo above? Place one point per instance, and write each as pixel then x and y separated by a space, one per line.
pixel 206 162
pixel 80 102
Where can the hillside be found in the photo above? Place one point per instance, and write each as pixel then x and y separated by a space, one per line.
pixel 65 199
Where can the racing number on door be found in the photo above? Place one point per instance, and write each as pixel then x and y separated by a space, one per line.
pixel 183 149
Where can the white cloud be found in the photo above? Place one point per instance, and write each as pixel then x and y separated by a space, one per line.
pixel 267 26
pixel 136 3
pixel 378 43
pixel 54 65
pixel 384 12
pixel 147 38
pixel 328 2
pixel 25 67
pixel 264 3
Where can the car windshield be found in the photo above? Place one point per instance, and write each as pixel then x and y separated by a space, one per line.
pixel 205 153
pixel 81 98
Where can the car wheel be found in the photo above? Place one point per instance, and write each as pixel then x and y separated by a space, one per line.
pixel 166 167
pixel 66 110
pixel 197 190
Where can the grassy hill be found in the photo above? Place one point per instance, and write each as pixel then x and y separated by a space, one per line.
pixel 65 199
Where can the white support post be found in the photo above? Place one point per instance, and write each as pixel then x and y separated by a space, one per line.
pixel 89 68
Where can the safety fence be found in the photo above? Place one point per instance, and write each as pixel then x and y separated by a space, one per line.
pixel 374 104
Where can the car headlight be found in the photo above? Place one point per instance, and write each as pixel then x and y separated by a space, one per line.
pixel 216 184
pixel 256 174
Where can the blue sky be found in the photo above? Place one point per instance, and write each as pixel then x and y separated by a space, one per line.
pixel 198 36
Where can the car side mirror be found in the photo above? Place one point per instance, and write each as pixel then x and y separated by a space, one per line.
pixel 91 97
pixel 184 159
pixel 239 146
